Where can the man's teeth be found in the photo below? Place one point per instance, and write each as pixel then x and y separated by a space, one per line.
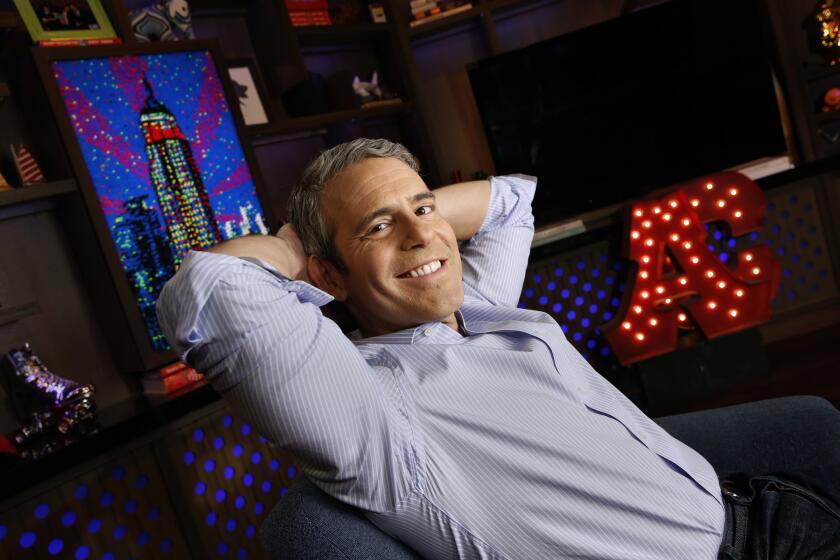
pixel 425 269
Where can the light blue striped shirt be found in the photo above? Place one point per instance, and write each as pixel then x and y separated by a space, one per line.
pixel 501 444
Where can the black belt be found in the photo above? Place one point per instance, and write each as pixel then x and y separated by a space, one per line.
pixel 736 528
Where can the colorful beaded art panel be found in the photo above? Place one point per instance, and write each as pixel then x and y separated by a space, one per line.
pixel 162 151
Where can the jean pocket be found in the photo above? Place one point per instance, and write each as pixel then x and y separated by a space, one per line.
pixel 770 483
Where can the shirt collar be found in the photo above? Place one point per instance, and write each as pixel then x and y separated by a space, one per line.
pixel 427 333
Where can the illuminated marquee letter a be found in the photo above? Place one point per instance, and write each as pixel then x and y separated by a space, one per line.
pixel 680 280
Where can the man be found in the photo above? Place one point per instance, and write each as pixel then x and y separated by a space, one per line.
pixel 462 425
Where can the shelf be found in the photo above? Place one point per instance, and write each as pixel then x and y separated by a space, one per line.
pixel 35 192
pixel 312 35
pixel 324 119
pixel 17 312
pixel 444 22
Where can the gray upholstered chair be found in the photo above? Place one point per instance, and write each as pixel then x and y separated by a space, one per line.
pixel 787 434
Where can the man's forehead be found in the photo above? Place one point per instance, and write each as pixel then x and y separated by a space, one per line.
pixel 373 180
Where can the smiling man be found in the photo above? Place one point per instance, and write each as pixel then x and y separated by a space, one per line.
pixel 460 424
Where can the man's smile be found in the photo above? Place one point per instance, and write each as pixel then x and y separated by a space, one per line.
pixel 429 269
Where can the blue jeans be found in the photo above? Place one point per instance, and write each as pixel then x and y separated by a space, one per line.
pixel 784 516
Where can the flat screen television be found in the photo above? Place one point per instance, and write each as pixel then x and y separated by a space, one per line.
pixel 614 111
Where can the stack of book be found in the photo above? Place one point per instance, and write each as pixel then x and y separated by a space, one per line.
pixel 425 11
pixel 169 379
pixel 308 12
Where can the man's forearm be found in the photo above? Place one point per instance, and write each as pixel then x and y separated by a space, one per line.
pixel 283 251
pixel 464 206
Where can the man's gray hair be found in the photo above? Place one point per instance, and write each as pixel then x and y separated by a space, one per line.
pixel 304 209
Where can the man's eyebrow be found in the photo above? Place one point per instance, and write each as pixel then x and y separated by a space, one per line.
pixel 363 223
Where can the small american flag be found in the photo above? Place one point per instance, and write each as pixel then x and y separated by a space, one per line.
pixel 27 166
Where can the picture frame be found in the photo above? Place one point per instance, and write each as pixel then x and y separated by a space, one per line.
pixel 66 20
pixel 161 163
pixel 250 90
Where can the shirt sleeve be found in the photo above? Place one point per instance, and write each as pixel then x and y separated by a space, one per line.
pixel 495 259
pixel 262 342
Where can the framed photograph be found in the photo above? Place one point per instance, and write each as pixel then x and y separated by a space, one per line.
pixel 58 20
pixel 249 89
pixel 155 148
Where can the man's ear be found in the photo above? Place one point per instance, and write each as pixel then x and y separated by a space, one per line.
pixel 325 276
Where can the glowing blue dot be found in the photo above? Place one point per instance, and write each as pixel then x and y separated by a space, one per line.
pixel 82 552
pixel 291 472
pixel 229 472
pixel 712 248
pixel 242 554
pixel 130 506
pixel 256 457
pixel 731 243
pixel 796 258
pixel 245 429
pixel 521 305
pixel 718 235
pixel 211 518
pixel 591 344
pixel 537 278
pixel 222 549
pixel 200 488
pixel 166 545
pixel 587 287
pixel 154 513
pixel 81 492
pixel 259 507
pixel 786 272
pixel 543 300
pixel 209 465
pixel 564 328
pixel 564 293
pixel 585 322
pixel 250 531
pixel 218 442
pixel 605 351
pixel 557 308
pixel 578 301
pixel 266 486
pixel 754 236
pixel 108 556
pixel 551 286
pixel 615 302
pixel 94 525
pixel 283 491
pixel 558 271
pixel 609 280
pixel 68 518
pixel 529 292
pixel 607 315
pixel 577 337
pixel 106 499
pixel 227 420
pixel 600 294
pixel 143 538
pixel 595 272
pixel 231 525
pixel 239 502
pixel 198 434
pixel 3 531
pixel 220 495
pixel 41 511
pixel 593 308
pixel 55 546
pixel 189 457
pixel 248 479
pixel 27 539
pixel 142 481
pixel 776 229
pixel 237 450
pixel 275 464
pixel 573 279
pixel 724 257
pixel 571 315
pixel 262 439
pixel 119 532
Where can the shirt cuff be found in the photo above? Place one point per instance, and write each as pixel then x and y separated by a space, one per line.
pixel 510 200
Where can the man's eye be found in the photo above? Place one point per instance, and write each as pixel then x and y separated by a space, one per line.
pixel 378 227
pixel 423 210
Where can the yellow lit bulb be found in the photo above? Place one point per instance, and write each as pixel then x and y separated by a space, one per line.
pixel 626 325
pixel 733 312
pixel 712 305
pixel 653 322
pixel 709 186
pixel 640 337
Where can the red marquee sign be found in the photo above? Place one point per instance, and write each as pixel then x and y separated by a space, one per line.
pixel 680 283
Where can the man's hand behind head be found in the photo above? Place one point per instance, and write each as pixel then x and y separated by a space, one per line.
pixel 283 251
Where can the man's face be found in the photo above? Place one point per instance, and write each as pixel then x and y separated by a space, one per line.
pixel 403 265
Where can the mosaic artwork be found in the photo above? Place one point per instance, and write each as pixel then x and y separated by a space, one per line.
pixel 163 154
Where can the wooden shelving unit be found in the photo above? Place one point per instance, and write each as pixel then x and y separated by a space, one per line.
pixel 36 192
pixel 325 119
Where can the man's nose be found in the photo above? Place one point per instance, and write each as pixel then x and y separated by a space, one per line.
pixel 418 233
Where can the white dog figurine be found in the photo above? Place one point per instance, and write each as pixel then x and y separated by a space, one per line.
pixel 367 90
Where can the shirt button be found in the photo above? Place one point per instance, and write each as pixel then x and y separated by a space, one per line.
pixel 428 332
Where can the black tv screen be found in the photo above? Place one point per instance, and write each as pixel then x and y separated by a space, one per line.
pixel 613 111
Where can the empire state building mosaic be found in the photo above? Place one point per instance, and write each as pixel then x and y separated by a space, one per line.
pixel 163 154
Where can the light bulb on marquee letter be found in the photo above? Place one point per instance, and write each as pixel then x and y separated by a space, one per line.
pixel 719 300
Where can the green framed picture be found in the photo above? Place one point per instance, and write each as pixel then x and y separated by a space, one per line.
pixel 66 20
